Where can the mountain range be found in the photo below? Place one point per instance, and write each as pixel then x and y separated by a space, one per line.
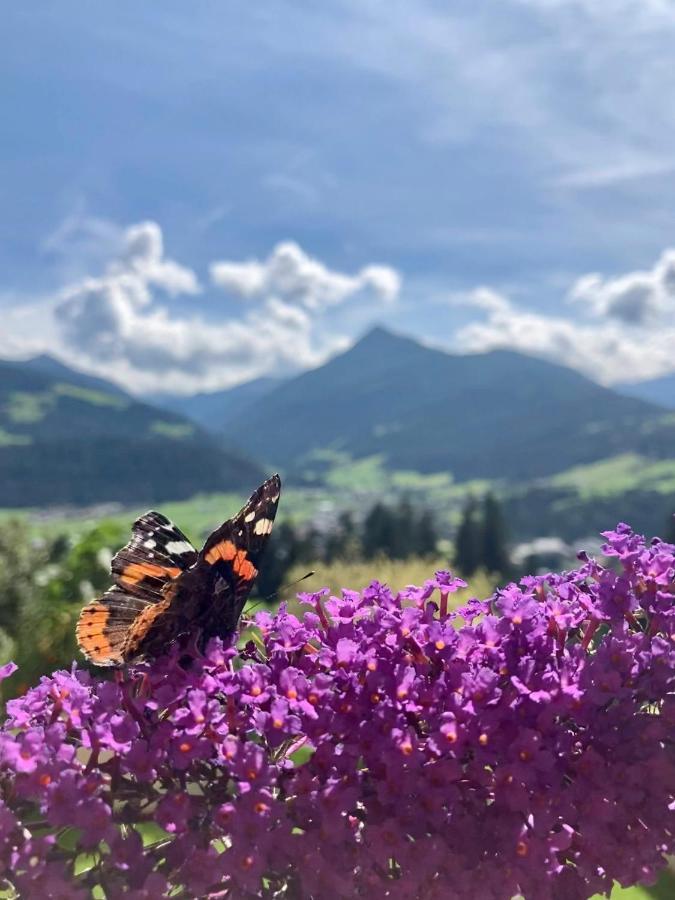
pixel 66 437
pixel 491 415
pixel 70 438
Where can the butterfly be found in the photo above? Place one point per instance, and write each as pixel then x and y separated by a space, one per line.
pixel 164 589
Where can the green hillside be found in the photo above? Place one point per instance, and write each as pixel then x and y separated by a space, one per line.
pixel 588 499
pixel 64 441
pixel 577 503
pixel 493 415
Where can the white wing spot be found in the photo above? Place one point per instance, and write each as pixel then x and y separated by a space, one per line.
pixel 150 544
pixel 250 517
pixel 178 547
pixel 263 526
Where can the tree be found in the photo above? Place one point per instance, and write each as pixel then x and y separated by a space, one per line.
pixel 494 552
pixel 669 532
pixel 425 538
pixel 282 552
pixel 310 545
pixel 77 573
pixel 379 532
pixel 403 540
pixel 19 561
pixel 468 540
pixel 342 541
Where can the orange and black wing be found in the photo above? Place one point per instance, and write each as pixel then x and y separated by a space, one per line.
pixel 156 555
pixel 234 550
pixel 103 626
pixel 157 552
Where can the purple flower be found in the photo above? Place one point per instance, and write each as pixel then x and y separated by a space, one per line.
pixel 7 670
pixel 173 812
pixel 376 745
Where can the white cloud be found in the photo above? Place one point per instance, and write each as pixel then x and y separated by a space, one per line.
pixel 301 280
pixel 27 327
pixel 112 318
pixel 628 333
pixel 385 281
pixel 118 325
pixel 637 298
pixel 143 255
pixel 246 279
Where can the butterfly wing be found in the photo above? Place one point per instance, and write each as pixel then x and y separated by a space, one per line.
pixel 234 550
pixel 104 624
pixel 111 629
pixel 157 553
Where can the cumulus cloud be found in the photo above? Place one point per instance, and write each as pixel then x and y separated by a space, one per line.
pixel 298 278
pixel 112 318
pixel 637 298
pixel 628 332
pixel 143 256
pixel 118 325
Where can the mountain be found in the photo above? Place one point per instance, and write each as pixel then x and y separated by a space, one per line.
pixel 54 368
pixel 69 439
pixel 213 411
pixel 658 390
pixel 489 415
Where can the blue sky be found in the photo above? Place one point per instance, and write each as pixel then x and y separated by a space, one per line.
pixel 196 194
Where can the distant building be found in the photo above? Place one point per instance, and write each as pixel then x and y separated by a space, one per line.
pixel 543 553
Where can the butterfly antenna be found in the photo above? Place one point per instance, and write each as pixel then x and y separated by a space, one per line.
pixel 280 589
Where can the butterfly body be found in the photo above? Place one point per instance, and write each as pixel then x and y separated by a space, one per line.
pixel 164 589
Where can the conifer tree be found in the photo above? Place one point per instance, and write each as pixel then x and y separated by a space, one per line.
pixel 425 538
pixel 379 532
pixel 467 541
pixel 282 552
pixel 494 556
pixel 342 541
pixel 403 531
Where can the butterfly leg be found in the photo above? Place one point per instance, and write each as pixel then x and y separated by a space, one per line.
pixel 193 644
pixel 128 695
pixel 141 685
pixel 144 689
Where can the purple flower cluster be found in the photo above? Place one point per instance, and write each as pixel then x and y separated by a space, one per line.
pixel 380 745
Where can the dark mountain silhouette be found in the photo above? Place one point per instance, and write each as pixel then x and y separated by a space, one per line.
pixel 44 364
pixel 489 415
pixel 66 438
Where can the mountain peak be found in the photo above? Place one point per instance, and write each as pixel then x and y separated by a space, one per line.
pixel 492 415
pixel 381 339
pixel 47 366
pixel 377 332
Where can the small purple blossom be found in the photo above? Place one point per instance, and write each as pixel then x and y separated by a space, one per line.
pixel 7 670
pixel 382 744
